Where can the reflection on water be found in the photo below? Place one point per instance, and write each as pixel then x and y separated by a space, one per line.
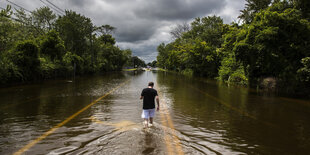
pixel 208 117
pixel 232 120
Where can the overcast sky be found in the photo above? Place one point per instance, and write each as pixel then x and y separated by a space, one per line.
pixel 142 24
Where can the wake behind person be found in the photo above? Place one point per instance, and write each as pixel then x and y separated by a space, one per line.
pixel 148 95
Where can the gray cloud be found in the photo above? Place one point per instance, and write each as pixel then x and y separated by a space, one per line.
pixel 143 24
pixel 80 3
pixel 133 31
pixel 177 9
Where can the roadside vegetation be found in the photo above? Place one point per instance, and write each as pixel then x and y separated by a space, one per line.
pixel 41 45
pixel 272 40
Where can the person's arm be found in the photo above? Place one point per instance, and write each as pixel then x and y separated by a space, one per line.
pixel 142 94
pixel 157 100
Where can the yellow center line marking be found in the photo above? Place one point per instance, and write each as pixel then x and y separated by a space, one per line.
pixel 176 139
pixel 166 137
pixel 166 116
pixel 34 142
pixel 120 126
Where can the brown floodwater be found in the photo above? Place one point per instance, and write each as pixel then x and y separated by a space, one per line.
pixel 197 116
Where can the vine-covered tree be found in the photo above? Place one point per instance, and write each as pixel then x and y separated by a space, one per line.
pixel 251 8
pixel 43 18
pixel 40 45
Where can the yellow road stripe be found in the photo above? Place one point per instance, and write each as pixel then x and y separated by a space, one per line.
pixel 34 142
pixel 166 137
pixel 170 124
pixel 176 139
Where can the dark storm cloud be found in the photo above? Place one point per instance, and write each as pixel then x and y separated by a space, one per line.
pixel 136 30
pixel 138 20
pixel 134 35
pixel 177 9
pixel 79 3
pixel 143 24
pixel 149 15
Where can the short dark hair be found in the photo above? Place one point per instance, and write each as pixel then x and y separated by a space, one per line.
pixel 151 84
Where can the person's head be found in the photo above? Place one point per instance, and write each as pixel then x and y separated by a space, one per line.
pixel 151 84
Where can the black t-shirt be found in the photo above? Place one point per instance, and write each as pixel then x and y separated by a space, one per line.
pixel 148 98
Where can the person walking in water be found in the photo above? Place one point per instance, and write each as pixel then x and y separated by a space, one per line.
pixel 149 95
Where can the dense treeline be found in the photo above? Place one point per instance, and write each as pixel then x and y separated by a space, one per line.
pixel 136 62
pixel 42 45
pixel 272 41
pixel 152 64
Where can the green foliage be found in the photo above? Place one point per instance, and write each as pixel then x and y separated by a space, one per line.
pixel 231 71
pixel 152 64
pixel 188 72
pixel 304 72
pixel 196 51
pixel 67 45
pixel 107 39
pixel 25 57
pixel 52 45
pixel 303 6
pixel 47 68
pixel 6 12
pixel 209 29
pixel 163 51
pixel 43 18
pixel 8 70
pixel 251 8
pixel 272 40
pixel 74 29
pixel 106 29
pixel 111 58
pixel 69 59
pixel 6 31
pixel 137 62
pixel 284 28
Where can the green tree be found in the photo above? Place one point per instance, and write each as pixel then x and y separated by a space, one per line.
pixel 111 58
pixel 209 29
pixel 106 29
pixel 52 46
pixel 6 29
pixel 43 18
pixel 70 60
pixel 137 62
pixel 196 51
pixel 75 30
pixel 67 44
pixel 162 55
pixel 303 6
pixel 304 72
pixel 274 43
pixel 251 8
pixel 107 39
pixel 152 64
pixel 178 31
pixel 25 57
pixel 7 12
pixel 231 70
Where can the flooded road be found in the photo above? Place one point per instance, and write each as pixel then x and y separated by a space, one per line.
pixel 102 115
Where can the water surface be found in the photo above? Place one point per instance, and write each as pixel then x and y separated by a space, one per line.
pixel 206 117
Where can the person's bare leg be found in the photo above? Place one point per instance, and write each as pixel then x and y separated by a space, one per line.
pixel 145 122
pixel 151 120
